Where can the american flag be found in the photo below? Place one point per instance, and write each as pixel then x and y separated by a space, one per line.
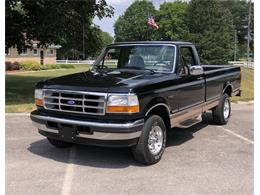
pixel 151 22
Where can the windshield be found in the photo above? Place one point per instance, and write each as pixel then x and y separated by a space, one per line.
pixel 159 58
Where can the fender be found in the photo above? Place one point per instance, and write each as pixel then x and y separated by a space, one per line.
pixel 159 104
pixel 227 84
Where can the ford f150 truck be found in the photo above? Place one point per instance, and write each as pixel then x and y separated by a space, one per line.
pixel 133 94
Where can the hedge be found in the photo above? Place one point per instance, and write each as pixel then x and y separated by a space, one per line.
pixel 32 65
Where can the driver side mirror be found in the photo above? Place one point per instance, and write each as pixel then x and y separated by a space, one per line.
pixel 196 70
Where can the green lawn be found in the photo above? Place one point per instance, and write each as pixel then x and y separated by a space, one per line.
pixel 19 91
pixel 20 87
pixel 247 85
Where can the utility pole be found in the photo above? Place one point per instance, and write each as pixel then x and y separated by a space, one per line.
pixel 248 32
pixel 235 49
pixel 83 42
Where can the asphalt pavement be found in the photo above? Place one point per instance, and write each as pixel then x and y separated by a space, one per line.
pixel 203 159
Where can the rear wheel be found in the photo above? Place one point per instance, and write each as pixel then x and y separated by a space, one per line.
pixel 222 112
pixel 59 144
pixel 151 144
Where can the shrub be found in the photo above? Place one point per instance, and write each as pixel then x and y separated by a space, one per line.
pixel 12 66
pixel 68 66
pixel 30 65
pixel 49 66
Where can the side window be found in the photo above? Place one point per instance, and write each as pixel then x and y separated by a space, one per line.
pixel 187 56
pixel 186 59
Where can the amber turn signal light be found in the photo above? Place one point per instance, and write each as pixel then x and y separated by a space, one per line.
pixel 39 102
pixel 123 109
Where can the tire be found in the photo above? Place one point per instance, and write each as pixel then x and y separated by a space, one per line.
pixel 221 113
pixel 153 134
pixel 59 144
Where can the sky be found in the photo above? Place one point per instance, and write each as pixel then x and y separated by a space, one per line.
pixel 107 24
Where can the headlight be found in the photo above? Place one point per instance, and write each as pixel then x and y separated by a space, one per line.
pixel 38 95
pixel 122 104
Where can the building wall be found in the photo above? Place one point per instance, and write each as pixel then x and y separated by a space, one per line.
pixel 13 56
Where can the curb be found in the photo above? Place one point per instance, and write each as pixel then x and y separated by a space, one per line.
pixel 245 103
pixel 18 114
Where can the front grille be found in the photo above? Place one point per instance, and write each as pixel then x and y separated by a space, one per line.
pixel 76 102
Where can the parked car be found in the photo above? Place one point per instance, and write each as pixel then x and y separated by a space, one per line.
pixel 134 93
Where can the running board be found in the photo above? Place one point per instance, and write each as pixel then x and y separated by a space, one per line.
pixel 190 122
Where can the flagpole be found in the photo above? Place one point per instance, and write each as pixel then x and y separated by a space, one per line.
pixel 147 29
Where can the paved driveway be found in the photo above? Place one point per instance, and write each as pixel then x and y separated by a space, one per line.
pixel 204 159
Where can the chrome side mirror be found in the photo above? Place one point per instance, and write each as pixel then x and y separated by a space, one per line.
pixel 196 70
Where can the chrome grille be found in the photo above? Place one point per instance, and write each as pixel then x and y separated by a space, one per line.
pixel 76 102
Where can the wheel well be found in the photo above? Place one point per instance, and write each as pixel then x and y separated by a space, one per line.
pixel 163 112
pixel 228 90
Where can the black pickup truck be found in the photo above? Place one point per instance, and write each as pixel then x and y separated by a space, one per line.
pixel 133 94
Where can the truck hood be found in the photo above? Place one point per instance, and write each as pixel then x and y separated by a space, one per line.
pixel 102 80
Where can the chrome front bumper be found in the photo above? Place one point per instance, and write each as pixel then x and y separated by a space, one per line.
pixel 99 130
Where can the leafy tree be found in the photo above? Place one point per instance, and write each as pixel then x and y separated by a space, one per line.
pixel 54 22
pixel 211 30
pixel 106 38
pixel 170 18
pixel 240 10
pixel 132 25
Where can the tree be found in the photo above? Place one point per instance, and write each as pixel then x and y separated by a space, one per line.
pixel 239 10
pixel 170 18
pixel 211 30
pixel 67 23
pixel 132 25
pixel 106 38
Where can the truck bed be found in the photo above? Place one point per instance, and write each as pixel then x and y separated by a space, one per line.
pixel 216 75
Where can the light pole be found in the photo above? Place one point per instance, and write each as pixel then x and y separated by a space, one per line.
pixel 235 47
pixel 83 42
pixel 248 32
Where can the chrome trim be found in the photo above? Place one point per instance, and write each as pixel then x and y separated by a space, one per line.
pixel 213 98
pixel 44 128
pixel 100 110
pixel 111 136
pixel 90 124
pixel 228 84
pixel 159 104
pixel 95 135
pixel 194 111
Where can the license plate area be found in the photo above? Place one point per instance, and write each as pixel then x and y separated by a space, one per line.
pixel 67 131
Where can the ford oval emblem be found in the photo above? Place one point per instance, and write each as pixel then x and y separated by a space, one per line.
pixel 71 102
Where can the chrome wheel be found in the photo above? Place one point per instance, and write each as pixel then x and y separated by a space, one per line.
pixel 226 109
pixel 155 139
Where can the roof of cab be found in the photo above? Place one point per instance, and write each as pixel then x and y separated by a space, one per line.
pixel 153 42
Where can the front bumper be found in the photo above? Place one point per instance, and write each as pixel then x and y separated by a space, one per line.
pixel 87 131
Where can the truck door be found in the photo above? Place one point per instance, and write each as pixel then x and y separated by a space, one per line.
pixel 192 88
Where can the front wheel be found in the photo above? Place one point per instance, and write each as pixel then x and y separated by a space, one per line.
pixel 221 113
pixel 151 144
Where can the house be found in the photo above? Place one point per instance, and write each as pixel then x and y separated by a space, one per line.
pixel 45 55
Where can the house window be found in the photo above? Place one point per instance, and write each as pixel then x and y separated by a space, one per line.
pixel 24 51
pixel 35 52
pixel 50 52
